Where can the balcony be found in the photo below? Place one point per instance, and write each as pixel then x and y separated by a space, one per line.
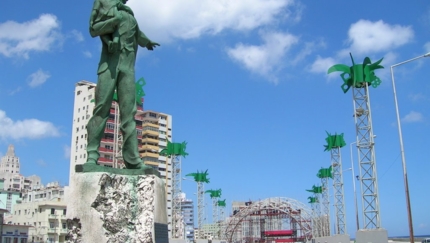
pixel 109 131
pixel 64 231
pixel 106 140
pixel 52 230
pixel 105 160
pixel 52 216
pixel 101 149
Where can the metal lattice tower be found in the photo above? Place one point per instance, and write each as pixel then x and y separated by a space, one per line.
pixel 316 215
pixel 200 178
pixel 221 218
pixel 175 151
pixel 366 157
pixel 324 174
pixel 325 216
pixel 200 207
pixel 118 161
pixel 339 202
pixel 177 218
pixel 359 77
pixel 334 144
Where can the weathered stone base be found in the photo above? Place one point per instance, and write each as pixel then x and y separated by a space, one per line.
pixel 110 208
pixel 333 239
pixel 371 236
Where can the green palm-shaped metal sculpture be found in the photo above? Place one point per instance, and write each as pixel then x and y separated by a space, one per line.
pixel 139 91
pixel 316 189
pixel 334 141
pixel 200 176
pixel 358 75
pixel 174 149
pixel 214 193
pixel 221 203
pixel 313 200
pixel 325 173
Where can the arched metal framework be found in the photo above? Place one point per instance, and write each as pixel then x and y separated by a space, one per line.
pixel 269 215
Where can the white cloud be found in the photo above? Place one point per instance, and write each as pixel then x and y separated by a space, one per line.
pixel 28 128
pixel 367 37
pixel 165 20
pixel 321 65
pixel 87 54
pixel 13 92
pixel 66 149
pixel 19 39
pixel 38 78
pixel 417 97
pixel 307 50
pixel 77 35
pixel 427 47
pixel 41 163
pixel 413 116
pixel 265 59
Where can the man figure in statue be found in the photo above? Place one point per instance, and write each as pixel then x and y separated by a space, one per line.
pixel 116 71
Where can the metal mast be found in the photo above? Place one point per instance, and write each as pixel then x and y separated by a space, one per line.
pixel 200 178
pixel 334 143
pixel 221 224
pixel 117 138
pixel 176 151
pixel 317 229
pixel 359 77
pixel 215 195
pixel 324 174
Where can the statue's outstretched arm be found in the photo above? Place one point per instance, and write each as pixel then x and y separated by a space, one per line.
pixel 144 41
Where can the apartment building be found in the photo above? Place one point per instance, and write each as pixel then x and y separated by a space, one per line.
pixel 46 218
pixel 44 210
pixel 10 175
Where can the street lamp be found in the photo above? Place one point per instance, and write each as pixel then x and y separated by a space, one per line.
pixel 402 151
pixel 353 184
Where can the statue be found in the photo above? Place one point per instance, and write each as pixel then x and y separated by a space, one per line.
pixel 114 22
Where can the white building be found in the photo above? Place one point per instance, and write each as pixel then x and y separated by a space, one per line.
pixel 44 209
pixel 10 172
pixel 47 218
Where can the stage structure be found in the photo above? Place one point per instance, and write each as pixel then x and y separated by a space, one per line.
pixel 324 174
pixel 270 220
pixel 334 143
pixel 317 228
pixel 359 77
pixel 200 178
pixel 176 151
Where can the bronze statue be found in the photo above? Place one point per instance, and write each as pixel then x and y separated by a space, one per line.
pixel 114 22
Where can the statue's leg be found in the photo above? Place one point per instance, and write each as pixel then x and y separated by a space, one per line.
pixel 104 27
pixel 127 105
pixel 96 125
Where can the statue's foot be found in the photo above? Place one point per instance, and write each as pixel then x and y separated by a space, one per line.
pixel 91 161
pixel 140 166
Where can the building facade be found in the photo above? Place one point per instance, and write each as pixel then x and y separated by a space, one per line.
pixel 187 209
pixel 47 220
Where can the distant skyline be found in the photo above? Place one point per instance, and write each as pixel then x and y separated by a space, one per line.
pixel 246 84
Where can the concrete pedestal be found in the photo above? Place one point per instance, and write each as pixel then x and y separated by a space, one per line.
pixel 371 236
pixel 333 239
pixel 106 207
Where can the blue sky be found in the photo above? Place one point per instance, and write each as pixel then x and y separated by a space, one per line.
pixel 246 84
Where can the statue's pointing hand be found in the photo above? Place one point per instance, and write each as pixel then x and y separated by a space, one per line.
pixel 151 45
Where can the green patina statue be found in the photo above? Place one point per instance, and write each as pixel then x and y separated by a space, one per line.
pixel 114 22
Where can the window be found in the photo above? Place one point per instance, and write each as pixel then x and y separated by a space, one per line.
pixel 64 211
pixel 51 225
pixel 64 226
